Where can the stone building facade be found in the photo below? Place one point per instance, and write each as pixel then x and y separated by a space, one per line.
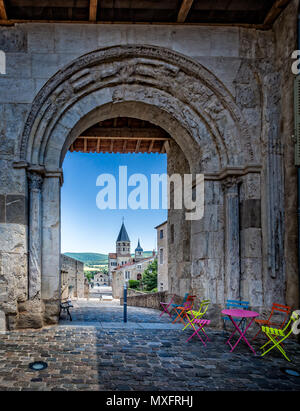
pixel 224 95
pixel 131 271
pixel 100 279
pixel 72 278
pixel 162 256
pixel 123 267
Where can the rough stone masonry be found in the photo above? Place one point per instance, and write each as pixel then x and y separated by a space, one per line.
pixel 225 97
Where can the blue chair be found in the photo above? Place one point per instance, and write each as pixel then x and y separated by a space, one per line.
pixel 179 305
pixel 232 304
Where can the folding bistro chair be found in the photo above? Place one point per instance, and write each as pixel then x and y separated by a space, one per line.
pixel 197 314
pixel 236 304
pixel 200 323
pixel 182 310
pixel 276 308
pixel 165 306
pixel 183 301
pixel 277 336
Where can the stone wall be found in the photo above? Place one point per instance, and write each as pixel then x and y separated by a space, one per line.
pixel 286 42
pixel 72 277
pixel 148 300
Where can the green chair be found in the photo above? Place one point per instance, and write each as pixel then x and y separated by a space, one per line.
pixel 277 336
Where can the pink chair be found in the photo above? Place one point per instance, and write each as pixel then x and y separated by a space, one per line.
pixel 165 306
pixel 200 323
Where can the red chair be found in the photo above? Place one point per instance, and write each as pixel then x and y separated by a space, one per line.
pixel 276 308
pixel 183 310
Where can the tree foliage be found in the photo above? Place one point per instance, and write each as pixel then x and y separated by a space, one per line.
pixel 134 284
pixel 149 278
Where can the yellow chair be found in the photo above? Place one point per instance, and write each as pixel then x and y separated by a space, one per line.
pixel 192 314
pixel 277 336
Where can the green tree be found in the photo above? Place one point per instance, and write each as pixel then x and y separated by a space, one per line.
pixel 149 278
pixel 134 284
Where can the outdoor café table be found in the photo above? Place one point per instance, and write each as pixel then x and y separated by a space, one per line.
pixel 242 314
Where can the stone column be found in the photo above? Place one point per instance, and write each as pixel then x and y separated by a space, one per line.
pixel 35 180
pixel 51 246
pixel 251 240
pixel 232 239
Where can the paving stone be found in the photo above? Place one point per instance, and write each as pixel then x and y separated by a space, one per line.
pixel 130 358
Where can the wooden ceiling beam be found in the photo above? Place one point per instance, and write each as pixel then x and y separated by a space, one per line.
pixel 93 10
pixel 137 147
pixel 3 13
pixel 184 10
pixel 98 145
pixel 125 138
pixel 164 147
pixel 125 132
pixel 151 146
pixel 274 12
pixel 11 22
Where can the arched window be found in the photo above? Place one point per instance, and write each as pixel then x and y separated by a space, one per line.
pixel 139 276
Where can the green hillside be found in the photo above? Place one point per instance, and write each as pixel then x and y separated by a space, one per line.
pixel 89 258
pixel 146 254
pixel 97 258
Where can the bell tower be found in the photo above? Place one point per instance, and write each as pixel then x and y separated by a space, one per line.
pixel 123 242
pixel 139 252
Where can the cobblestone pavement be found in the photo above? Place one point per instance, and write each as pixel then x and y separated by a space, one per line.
pixel 108 355
pixel 112 312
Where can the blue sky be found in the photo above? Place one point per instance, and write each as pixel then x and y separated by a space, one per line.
pixel 86 228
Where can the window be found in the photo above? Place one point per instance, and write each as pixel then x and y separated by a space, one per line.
pixel 161 256
pixel 139 276
pixel 127 275
pixel 139 266
pixel 161 233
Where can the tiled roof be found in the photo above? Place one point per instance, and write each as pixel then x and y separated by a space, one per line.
pixel 134 263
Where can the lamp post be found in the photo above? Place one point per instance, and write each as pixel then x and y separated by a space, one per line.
pixel 125 303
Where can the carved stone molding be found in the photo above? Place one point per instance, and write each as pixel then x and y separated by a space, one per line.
pixel 156 70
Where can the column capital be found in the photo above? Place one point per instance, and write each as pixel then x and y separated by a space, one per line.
pixel 35 180
pixel 231 183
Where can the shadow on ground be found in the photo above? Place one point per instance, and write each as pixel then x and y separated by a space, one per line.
pixel 98 352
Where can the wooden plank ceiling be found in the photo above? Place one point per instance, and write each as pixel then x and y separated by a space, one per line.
pixel 122 135
pixel 254 13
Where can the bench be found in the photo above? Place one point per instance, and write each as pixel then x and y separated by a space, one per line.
pixel 64 306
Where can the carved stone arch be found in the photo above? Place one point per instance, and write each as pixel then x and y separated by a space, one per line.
pixel 161 78
pixel 150 83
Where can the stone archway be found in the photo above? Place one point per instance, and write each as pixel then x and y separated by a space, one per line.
pixel 154 84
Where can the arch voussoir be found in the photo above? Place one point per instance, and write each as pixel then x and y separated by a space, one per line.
pixel 155 75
